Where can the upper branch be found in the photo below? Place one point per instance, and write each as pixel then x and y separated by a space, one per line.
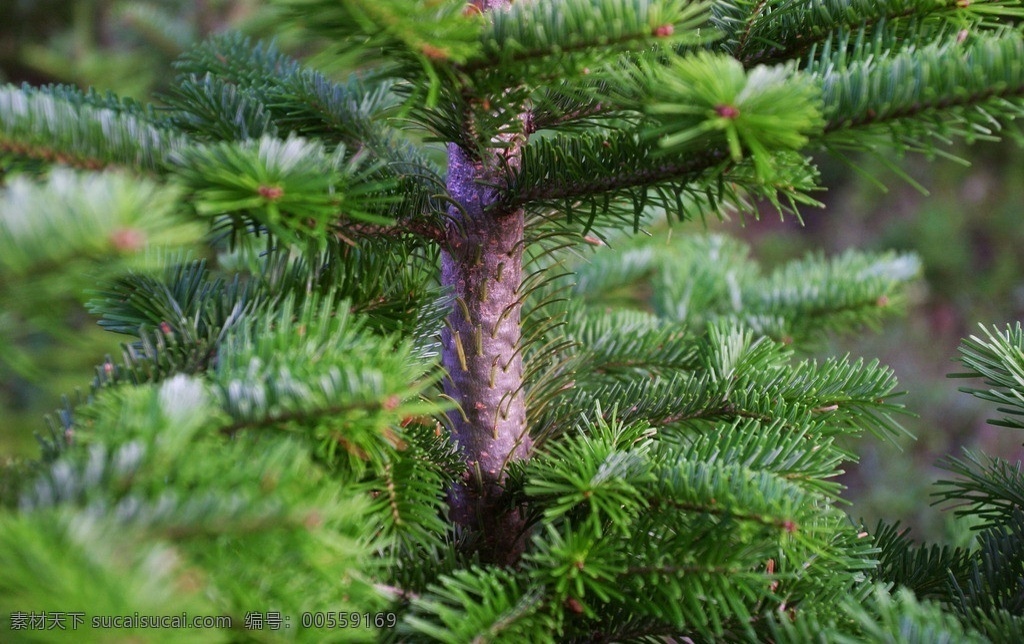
pixel 82 129
pixel 967 86
pixel 555 35
pixel 569 169
pixel 781 33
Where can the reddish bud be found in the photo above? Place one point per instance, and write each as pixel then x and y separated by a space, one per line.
pixel 574 605
pixel 882 301
pixel 128 240
pixel 312 520
pixel 727 111
pixel 272 193
pixel 663 31
pixel 434 53
pixel 770 569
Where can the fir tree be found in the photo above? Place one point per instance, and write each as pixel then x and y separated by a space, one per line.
pixel 363 387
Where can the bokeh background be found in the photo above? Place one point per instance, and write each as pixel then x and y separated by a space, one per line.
pixel 967 231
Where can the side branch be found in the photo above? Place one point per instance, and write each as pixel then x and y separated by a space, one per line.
pixel 600 43
pixel 64 157
pixel 803 34
pixel 428 230
pixel 621 177
pixel 920 108
pixel 787 525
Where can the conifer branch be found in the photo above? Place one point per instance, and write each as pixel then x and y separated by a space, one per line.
pixel 629 632
pixel 579 112
pixel 790 32
pixel 307 415
pixel 554 34
pixel 84 130
pixel 420 228
pixel 932 78
pixel 712 508
pixel 307 103
pixel 677 569
pixel 754 16
pixel 925 108
pixel 632 169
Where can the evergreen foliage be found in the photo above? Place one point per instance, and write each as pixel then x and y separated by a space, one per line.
pixel 460 404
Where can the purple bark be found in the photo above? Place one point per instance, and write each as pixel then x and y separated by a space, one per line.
pixel 481 263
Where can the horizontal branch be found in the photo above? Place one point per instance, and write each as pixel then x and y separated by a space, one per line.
pixel 599 42
pixel 68 157
pixel 783 524
pixel 923 107
pixel 83 130
pixel 635 633
pixel 801 36
pixel 620 178
pixel 675 569
pixel 426 229
pixel 306 414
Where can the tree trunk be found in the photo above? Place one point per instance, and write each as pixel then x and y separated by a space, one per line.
pixel 482 265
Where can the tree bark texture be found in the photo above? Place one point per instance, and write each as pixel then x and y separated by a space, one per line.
pixel 481 264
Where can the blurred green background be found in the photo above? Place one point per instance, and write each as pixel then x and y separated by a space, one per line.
pixel 966 232
pixel 126 47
